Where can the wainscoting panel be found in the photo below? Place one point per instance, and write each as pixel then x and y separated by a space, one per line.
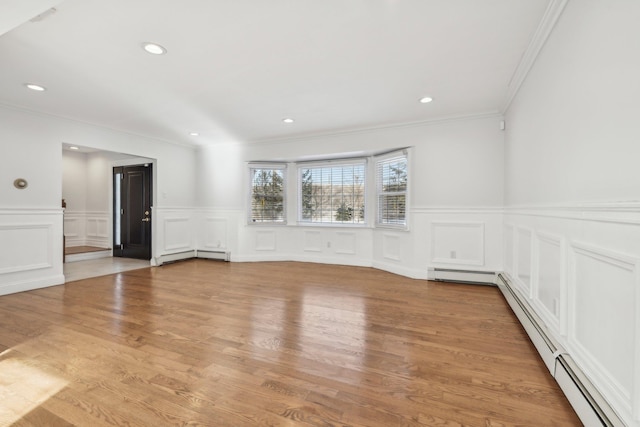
pixel 265 240
pixel 509 246
pixel 457 243
pixel 83 228
pixel 345 243
pixel 550 288
pixel 73 230
pixel 31 250
pixel 391 247
pixel 98 229
pixel 173 233
pixel 603 330
pixel 312 241
pixel 215 233
pixel 585 276
pixel 177 233
pixel 524 260
pixel 29 247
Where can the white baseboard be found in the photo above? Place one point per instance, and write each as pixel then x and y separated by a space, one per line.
pixel 27 285
pixel 400 270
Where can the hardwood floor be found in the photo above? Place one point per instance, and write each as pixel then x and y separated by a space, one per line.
pixel 72 250
pixel 269 344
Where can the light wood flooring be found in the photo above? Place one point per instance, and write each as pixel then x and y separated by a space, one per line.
pixel 72 250
pixel 205 343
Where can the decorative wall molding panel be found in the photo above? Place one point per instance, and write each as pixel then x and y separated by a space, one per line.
pixel 345 242
pixel 604 293
pixel 265 240
pixel 509 249
pixel 215 233
pixel 585 271
pixel 31 253
pixel 524 259
pixel 479 240
pixel 87 228
pixel 391 247
pixel 173 231
pixel 550 286
pixel 28 247
pixel 312 241
pixel 458 243
pixel 177 233
pixel 98 230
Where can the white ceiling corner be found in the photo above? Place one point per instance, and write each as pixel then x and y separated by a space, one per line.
pixel 545 27
pixel 14 13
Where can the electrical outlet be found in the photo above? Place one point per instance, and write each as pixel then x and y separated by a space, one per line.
pixel 453 255
pixel 328 244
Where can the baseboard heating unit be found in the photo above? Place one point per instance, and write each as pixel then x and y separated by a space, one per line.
pixel 221 255
pixel 180 256
pixel 462 276
pixel 590 406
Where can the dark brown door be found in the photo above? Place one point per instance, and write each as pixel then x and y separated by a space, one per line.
pixel 132 211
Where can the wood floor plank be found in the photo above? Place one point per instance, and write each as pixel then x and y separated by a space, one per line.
pixel 269 344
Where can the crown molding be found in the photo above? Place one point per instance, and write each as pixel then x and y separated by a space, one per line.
pixel 537 42
pixel 337 133
pixel 148 138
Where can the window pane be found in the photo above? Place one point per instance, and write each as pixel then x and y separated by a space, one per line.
pixel 267 195
pixel 333 194
pixel 392 209
pixel 392 180
pixel 393 175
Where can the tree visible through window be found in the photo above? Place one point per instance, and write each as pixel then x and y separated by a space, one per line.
pixel 332 193
pixel 267 195
pixel 391 183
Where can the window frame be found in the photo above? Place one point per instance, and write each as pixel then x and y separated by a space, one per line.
pixel 379 193
pixel 328 164
pixel 252 168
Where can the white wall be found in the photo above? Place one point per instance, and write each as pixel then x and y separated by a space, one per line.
pixel 31 219
pixel 572 226
pixel 74 180
pixel 455 201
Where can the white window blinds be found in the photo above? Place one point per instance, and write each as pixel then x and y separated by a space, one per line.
pixel 332 193
pixel 267 194
pixel 392 180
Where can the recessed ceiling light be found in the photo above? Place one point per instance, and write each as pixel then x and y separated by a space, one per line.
pixel 287 120
pixel 73 147
pixel 35 87
pixel 426 99
pixel 154 49
pixel 194 134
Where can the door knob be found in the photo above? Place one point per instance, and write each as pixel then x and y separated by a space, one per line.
pixel 146 219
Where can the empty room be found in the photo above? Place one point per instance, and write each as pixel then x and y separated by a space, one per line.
pixel 323 213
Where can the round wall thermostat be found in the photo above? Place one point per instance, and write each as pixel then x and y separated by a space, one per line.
pixel 20 183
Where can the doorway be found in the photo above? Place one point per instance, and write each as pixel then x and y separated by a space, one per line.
pixel 132 200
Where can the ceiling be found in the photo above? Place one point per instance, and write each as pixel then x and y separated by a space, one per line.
pixel 234 69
